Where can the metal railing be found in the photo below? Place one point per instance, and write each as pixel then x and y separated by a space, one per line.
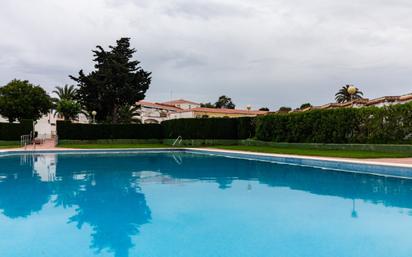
pixel 178 141
pixel 25 140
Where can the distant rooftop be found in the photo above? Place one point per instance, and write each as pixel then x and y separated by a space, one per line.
pixel 364 102
pixel 159 106
pixel 180 101
pixel 225 111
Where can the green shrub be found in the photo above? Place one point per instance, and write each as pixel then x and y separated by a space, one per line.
pixel 73 131
pixel 13 131
pixel 391 124
pixel 210 128
pixel 246 127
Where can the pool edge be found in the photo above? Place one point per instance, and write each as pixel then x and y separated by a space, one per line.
pixel 342 164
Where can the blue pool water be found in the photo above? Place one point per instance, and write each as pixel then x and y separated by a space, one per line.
pixel 191 205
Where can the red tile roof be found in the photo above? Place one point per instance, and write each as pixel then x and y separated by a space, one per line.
pixel 383 100
pixel 406 97
pixel 158 106
pixel 225 111
pixel 179 101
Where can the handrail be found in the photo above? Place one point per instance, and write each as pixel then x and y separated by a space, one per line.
pixel 178 140
pixel 25 140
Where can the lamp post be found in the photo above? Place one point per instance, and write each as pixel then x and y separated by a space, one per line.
pixel 94 113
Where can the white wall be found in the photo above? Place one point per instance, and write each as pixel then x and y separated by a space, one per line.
pixel 182 115
pixel 154 114
pixel 43 126
pixel 186 106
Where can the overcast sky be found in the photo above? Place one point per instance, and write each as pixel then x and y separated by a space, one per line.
pixel 260 52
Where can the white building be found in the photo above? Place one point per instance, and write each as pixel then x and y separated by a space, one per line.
pixel 201 112
pixel 157 112
pixel 182 104
pixel 46 125
pixel 180 109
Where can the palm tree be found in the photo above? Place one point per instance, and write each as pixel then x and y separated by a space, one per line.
pixel 67 92
pixel 68 109
pixel 65 103
pixel 129 114
pixel 345 94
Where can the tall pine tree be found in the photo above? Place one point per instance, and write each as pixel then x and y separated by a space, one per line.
pixel 116 81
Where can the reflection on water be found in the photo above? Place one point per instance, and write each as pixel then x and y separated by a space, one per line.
pixel 22 191
pixel 113 206
pixel 106 192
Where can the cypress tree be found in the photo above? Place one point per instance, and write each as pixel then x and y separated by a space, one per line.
pixel 116 81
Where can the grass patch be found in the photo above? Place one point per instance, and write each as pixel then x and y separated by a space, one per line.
pixel 111 146
pixel 9 144
pixel 283 149
pixel 360 154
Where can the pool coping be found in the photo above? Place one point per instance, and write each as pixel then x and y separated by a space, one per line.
pixel 386 169
pixel 338 164
pixel 339 159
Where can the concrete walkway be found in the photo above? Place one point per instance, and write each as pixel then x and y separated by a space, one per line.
pixel 391 160
pixel 48 144
pixel 400 162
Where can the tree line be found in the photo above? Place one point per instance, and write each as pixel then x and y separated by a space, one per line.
pixel 347 93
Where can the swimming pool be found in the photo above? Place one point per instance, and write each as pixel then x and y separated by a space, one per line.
pixel 189 203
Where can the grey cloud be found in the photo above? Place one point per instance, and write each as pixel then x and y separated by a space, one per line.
pixel 117 3
pixel 264 53
pixel 181 59
pixel 207 9
pixel 189 61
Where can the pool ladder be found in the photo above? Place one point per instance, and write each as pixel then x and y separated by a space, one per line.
pixel 177 158
pixel 178 141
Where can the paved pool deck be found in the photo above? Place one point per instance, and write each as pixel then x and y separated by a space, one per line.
pixel 399 162
pixel 406 161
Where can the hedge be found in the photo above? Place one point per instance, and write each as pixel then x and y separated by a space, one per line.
pixel 386 125
pixel 13 131
pixel 67 130
pixel 368 125
pixel 209 128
